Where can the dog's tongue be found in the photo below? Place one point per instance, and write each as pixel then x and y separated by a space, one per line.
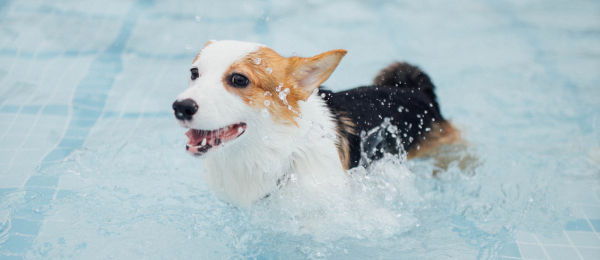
pixel 202 140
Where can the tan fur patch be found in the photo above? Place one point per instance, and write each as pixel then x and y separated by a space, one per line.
pixel 446 147
pixel 198 55
pixel 345 127
pixel 440 134
pixel 274 84
pixel 268 80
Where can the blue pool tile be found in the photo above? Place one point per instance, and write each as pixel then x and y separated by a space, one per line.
pixel 110 114
pixel 8 52
pixel 511 250
pixel 91 100
pixel 561 252
pixel 33 213
pixel 557 238
pixel 83 123
pixel 58 154
pixel 48 55
pixel 71 53
pixel 39 195
pixel 17 244
pixel 6 156
pixel 61 194
pixel 71 143
pixel 590 253
pixel 595 224
pixel 584 238
pixel 131 115
pixel 532 252
pixel 525 237
pixel 578 225
pixel 46 164
pixel 77 133
pixel 42 181
pixel 86 113
pixel 30 109
pixel 94 84
pixel 156 114
pixel 4 191
pixel 10 257
pixel 56 110
pixel 592 212
pixel 9 109
pixel 24 226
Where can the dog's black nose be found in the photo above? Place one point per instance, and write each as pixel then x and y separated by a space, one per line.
pixel 185 109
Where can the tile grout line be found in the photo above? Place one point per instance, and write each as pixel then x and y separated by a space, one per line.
pixel 557 245
pixel 587 219
pixel 37 117
pixel 573 245
pixel 542 246
pixel 109 61
pixel 519 249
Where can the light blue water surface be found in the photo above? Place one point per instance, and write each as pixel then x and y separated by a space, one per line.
pixel 92 164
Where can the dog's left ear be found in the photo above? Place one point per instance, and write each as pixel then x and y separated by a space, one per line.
pixel 310 73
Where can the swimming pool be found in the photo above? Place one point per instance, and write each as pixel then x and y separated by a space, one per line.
pixel 92 164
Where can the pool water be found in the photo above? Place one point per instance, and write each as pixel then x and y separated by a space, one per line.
pixel 92 162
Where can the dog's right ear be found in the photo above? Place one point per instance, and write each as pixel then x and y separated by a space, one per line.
pixel 205 45
pixel 309 73
pixel 209 42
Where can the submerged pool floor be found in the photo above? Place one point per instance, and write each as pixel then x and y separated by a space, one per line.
pixel 92 163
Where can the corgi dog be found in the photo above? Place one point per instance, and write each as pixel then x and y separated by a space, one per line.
pixel 262 122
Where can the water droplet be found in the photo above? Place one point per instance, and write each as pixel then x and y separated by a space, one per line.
pixel 267 103
pixel 269 70
pixel 283 94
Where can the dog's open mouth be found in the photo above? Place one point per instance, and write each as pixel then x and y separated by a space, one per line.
pixel 203 140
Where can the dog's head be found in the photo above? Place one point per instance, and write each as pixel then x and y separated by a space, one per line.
pixel 233 84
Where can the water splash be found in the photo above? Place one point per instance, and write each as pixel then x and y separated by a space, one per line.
pixel 396 207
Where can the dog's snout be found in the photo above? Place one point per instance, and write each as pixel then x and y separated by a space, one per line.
pixel 185 109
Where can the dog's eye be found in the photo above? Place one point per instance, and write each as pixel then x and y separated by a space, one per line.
pixel 238 80
pixel 195 73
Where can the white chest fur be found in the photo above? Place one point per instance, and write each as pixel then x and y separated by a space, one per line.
pixel 250 168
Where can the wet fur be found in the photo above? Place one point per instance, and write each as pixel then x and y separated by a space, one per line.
pixel 299 136
pixel 405 95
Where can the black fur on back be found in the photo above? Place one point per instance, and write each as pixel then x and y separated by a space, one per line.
pixel 392 115
pixel 404 75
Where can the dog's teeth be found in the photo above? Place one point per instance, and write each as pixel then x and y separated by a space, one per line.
pixel 240 129
pixel 203 142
